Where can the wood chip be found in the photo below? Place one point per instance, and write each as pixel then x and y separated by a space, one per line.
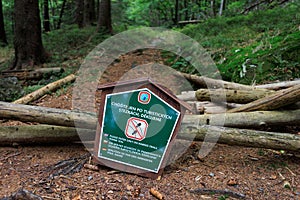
pixel 156 194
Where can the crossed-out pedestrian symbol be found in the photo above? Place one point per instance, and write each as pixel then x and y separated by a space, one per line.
pixel 136 128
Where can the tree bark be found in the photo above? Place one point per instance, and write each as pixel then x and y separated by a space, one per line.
pixel 274 101
pixel 46 16
pixel 242 137
pixel 27 74
pixel 204 82
pixel 50 116
pixel 28 44
pixel 256 119
pixel 222 6
pixel 89 12
pixel 104 20
pixel 80 13
pixel 48 88
pixel 176 17
pixel 233 96
pixel 279 86
pixel 62 10
pixel 3 40
pixel 40 134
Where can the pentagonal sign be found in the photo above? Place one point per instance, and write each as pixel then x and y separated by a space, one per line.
pixel 137 127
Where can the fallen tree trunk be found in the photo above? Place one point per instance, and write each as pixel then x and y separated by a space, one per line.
pixel 279 86
pixel 274 101
pixel 232 96
pixel 204 82
pixel 60 117
pixel 25 74
pixel 257 119
pixel 48 88
pixel 242 137
pixel 44 115
pixel 36 134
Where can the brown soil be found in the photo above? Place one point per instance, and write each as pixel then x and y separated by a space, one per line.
pixel 256 173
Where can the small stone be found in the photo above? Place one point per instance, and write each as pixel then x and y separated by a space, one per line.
pixel 90 178
pixel 211 174
pixel 110 192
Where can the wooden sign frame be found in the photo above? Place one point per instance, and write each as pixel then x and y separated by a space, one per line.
pixel 158 90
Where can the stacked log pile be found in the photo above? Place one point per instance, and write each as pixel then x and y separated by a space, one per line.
pixel 247 111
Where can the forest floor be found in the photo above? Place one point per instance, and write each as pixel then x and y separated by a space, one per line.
pixel 256 173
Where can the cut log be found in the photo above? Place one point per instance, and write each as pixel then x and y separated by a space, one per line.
pixel 30 73
pixel 257 119
pixel 60 117
pixel 204 82
pixel 274 101
pixel 242 137
pixel 48 88
pixel 280 85
pixel 233 96
pixel 36 134
pixel 187 96
pixel 43 115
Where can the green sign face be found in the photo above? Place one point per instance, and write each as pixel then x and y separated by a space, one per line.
pixel 136 129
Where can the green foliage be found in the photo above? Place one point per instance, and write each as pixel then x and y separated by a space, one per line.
pixel 254 48
pixel 10 89
pixel 223 197
pixel 71 42
pixel 32 88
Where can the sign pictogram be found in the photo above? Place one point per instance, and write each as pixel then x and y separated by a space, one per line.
pixel 144 97
pixel 136 128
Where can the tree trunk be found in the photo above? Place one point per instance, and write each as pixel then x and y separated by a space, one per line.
pixel 93 11
pixel 233 96
pixel 257 119
pixel 48 88
pixel 46 16
pixel 89 12
pixel 222 6
pixel 62 10
pixel 186 12
pixel 176 17
pixel 274 101
pixel 29 74
pixel 80 13
pixel 3 40
pixel 212 7
pixel 279 86
pixel 44 115
pixel 204 82
pixel 104 21
pixel 38 134
pixel 242 137
pixel 28 44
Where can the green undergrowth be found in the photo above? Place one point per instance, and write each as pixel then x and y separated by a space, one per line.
pixel 255 48
pixel 71 43
pixel 67 48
